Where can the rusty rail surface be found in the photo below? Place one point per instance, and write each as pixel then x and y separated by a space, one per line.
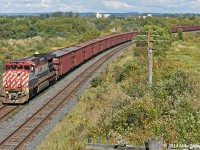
pixel 31 127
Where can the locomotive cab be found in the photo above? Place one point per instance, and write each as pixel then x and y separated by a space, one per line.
pixel 15 81
pixel 24 78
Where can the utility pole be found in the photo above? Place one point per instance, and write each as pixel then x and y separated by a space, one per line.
pixel 150 41
pixel 150 57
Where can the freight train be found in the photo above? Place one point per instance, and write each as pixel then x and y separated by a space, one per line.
pixel 185 28
pixel 26 77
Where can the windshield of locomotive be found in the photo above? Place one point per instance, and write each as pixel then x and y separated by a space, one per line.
pixel 17 67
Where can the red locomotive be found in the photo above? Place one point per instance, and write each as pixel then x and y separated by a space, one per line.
pixel 25 77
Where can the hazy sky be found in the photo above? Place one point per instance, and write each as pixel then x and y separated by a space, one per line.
pixel 161 6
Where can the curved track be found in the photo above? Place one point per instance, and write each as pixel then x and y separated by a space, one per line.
pixel 26 132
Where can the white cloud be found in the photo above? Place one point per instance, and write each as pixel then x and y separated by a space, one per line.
pixel 72 7
pixel 116 4
pixel 182 6
pixel 44 3
pixel 195 3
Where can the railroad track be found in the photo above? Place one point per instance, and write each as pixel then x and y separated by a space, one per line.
pixel 7 110
pixel 31 127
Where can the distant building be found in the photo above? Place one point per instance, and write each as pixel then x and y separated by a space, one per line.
pixel 149 15
pixel 106 15
pixel 98 15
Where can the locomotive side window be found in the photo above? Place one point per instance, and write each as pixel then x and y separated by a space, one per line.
pixel 32 68
pixel 26 67
pixel 20 67
pixel 13 66
pixel 7 67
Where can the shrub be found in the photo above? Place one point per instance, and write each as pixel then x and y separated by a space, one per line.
pixel 96 81
pixel 125 72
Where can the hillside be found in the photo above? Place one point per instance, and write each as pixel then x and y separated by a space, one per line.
pixel 119 104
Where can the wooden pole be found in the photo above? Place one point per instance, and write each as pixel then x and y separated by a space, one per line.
pixel 154 143
pixel 150 58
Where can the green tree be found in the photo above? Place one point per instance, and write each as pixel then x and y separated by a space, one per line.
pixel 32 31
pixel 180 34
pixel 57 14
pixel 101 23
pixel 69 14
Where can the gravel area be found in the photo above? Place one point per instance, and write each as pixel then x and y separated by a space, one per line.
pixel 11 124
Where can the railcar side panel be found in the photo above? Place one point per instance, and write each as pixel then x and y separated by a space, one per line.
pixel 100 46
pixel 118 40
pixel 104 44
pixel 125 37
pixel 122 40
pixel 114 40
pixel 96 47
pixel 78 57
pixel 109 42
pixel 89 50
pixel 66 63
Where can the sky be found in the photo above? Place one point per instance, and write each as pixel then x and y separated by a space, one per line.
pixel 101 6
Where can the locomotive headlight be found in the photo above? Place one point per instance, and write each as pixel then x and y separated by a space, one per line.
pixel 19 86
pixel 6 92
pixel 6 85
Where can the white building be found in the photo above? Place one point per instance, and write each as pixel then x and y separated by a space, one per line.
pixel 149 15
pixel 98 15
pixel 106 15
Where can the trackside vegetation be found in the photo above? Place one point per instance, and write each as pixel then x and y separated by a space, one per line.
pixel 119 104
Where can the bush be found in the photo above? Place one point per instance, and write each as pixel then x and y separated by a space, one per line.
pixel 96 81
pixel 180 34
pixel 177 84
pixel 125 72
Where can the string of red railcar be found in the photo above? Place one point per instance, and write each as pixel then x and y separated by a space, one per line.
pixel 26 77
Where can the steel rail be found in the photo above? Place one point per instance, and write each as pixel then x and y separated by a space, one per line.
pixel 7 110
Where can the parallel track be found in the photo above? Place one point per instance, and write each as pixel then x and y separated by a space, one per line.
pixel 7 110
pixel 31 127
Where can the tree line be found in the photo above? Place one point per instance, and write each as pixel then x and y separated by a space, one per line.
pixel 60 24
